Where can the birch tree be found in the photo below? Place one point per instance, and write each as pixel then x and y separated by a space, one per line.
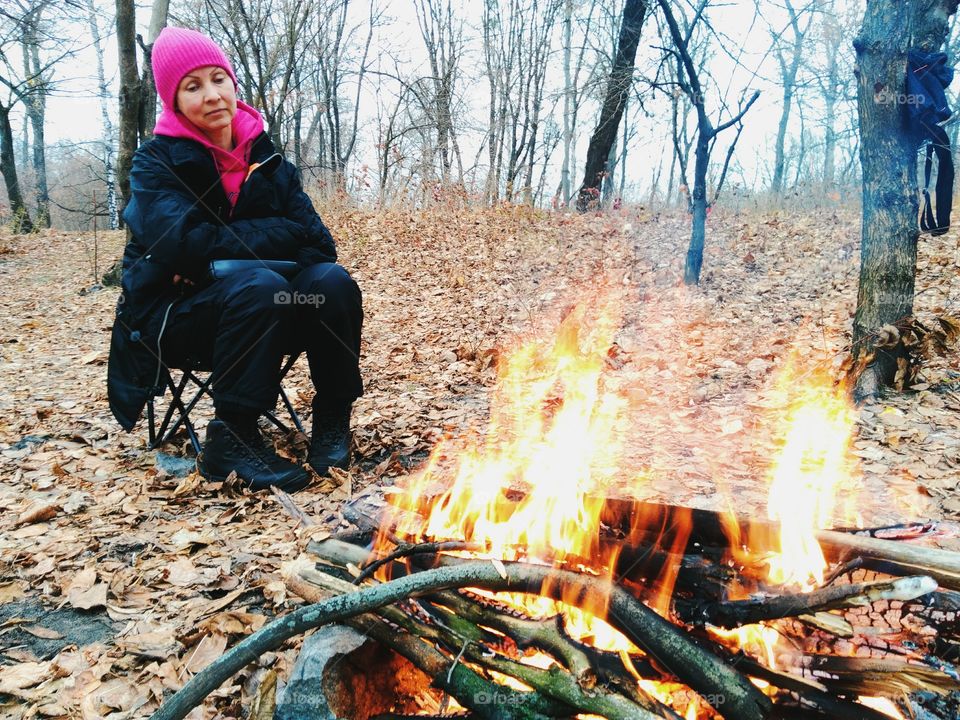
pixel 109 134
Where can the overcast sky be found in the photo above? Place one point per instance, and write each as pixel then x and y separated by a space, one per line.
pixel 745 63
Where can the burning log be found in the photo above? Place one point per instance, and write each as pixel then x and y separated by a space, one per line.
pixel 587 664
pixel 666 644
pixel 649 522
pixel 701 670
pixel 736 613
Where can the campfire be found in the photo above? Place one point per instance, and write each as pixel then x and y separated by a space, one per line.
pixel 505 572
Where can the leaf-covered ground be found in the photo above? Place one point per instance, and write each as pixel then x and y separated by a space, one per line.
pixel 119 581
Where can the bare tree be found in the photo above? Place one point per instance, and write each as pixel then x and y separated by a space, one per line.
pixel 34 96
pixel 614 103
pixel 109 135
pixel 342 53
pixel 789 60
pixel 516 43
pixel 567 98
pixel 129 96
pixel 888 252
pixel 148 98
pixel 443 40
pixel 706 133
pixel 22 31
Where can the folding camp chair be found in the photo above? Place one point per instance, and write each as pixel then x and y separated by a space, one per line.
pixel 166 431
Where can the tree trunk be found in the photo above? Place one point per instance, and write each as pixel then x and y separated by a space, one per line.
pixel 567 101
pixel 129 96
pixel 888 254
pixel 21 222
pixel 829 141
pixel 148 94
pixel 109 139
pixel 618 85
pixel 788 75
pixel 35 103
pixel 698 234
pixel 776 186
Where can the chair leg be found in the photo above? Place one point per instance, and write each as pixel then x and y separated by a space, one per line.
pixel 276 421
pixel 293 413
pixel 162 435
pixel 151 426
pixel 202 389
pixel 185 416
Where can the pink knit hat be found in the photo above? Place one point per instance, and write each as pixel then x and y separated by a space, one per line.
pixel 176 52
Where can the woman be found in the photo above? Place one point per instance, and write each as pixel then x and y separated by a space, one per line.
pixel 210 186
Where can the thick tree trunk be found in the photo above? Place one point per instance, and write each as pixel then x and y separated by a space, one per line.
pixel 36 111
pixel 129 96
pixel 35 104
pixel 21 222
pixel 888 159
pixel 618 85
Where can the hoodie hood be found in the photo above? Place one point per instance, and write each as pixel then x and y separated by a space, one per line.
pixel 232 165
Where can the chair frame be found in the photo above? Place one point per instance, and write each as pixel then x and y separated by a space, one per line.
pixel 166 431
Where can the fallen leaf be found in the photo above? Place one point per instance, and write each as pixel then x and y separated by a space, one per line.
pixel 85 592
pixel 11 591
pixel 182 573
pixel 729 427
pixel 42 632
pixel 265 703
pixel 16 678
pixel 208 649
pixel 38 513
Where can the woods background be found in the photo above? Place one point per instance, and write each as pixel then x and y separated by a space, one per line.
pixel 411 103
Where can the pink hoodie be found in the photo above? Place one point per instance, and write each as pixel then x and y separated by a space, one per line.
pixel 233 165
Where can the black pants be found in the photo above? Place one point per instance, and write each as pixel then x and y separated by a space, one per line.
pixel 243 325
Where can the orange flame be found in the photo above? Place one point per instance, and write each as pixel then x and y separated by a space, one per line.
pixel 532 486
pixel 811 470
pixel 554 434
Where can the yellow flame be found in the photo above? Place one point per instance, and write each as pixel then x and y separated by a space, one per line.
pixel 759 641
pixel 812 466
pixel 883 705
pixel 554 435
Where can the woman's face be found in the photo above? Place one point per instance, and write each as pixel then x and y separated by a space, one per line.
pixel 207 98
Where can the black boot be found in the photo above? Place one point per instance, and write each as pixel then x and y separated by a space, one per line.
pixel 330 443
pixel 241 448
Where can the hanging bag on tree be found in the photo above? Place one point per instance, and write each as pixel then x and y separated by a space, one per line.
pixel 928 76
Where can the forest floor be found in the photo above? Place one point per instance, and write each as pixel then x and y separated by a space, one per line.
pixel 119 581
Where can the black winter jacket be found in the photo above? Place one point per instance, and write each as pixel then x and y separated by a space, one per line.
pixel 180 220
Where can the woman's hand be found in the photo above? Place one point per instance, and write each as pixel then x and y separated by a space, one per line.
pixel 177 279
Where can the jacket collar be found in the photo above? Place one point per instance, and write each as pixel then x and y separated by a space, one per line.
pixel 184 151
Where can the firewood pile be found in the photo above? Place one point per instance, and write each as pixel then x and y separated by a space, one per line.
pixel 877 639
